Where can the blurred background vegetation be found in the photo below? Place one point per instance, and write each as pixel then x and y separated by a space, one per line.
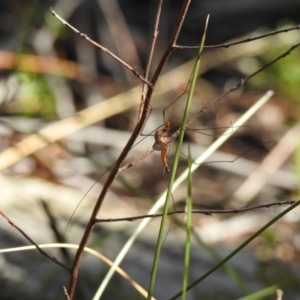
pixel 49 75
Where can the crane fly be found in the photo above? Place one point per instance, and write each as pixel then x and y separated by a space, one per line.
pixel 163 140
pixel 164 137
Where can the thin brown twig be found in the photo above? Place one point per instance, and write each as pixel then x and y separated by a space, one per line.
pixel 32 241
pixel 136 132
pixel 208 212
pixel 105 50
pixel 246 40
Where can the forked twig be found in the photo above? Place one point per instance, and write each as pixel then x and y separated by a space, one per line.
pixel 136 132
pixel 33 242
pixel 208 212
pixel 103 49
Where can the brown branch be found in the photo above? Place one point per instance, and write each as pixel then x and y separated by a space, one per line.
pixel 103 49
pixel 32 242
pixel 246 40
pixel 136 132
pixel 208 212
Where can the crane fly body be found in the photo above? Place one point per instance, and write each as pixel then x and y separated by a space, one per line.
pixel 163 141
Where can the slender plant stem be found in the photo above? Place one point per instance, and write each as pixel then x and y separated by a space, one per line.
pixel 188 227
pixel 174 168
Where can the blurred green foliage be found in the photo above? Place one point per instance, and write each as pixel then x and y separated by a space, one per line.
pixel 283 76
pixel 34 97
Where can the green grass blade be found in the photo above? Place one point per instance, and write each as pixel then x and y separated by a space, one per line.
pixel 297 166
pixel 160 237
pixel 189 209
